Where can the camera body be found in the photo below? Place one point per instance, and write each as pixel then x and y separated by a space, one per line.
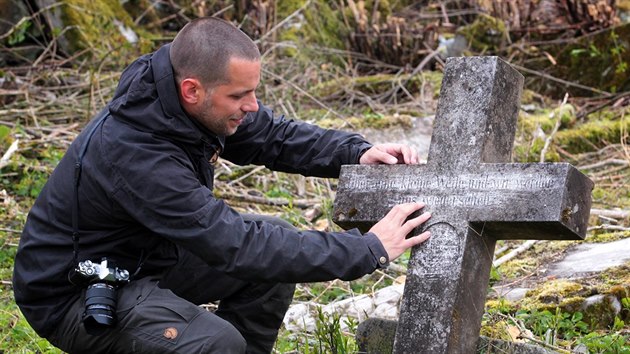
pixel 100 296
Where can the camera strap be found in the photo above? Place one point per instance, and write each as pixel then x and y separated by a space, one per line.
pixel 102 116
pixel 77 178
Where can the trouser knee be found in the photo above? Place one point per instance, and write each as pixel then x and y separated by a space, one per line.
pixel 228 341
pixel 285 291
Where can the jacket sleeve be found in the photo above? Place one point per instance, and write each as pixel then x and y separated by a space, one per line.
pixel 169 201
pixel 292 146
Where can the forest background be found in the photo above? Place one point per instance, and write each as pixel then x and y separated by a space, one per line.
pixel 352 65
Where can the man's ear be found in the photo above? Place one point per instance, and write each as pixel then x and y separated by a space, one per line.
pixel 191 91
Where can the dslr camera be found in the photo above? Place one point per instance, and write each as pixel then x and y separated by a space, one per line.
pixel 100 296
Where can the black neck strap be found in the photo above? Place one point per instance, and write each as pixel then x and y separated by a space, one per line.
pixel 77 177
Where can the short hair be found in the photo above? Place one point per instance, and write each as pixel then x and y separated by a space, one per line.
pixel 204 47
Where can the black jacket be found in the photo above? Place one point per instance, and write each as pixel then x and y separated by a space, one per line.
pixel 146 186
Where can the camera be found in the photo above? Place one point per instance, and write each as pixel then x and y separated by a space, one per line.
pixel 100 296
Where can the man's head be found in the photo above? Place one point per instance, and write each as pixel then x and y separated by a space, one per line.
pixel 217 69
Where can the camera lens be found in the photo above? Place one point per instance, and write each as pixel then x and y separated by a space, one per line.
pixel 100 307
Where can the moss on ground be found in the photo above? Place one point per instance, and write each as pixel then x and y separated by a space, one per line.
pixel 95 25
pixel 593 135
pixel 374 85
pixel 485 34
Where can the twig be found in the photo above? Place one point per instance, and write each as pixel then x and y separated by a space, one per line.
pixel 433 54
pixel 617 214
pixel 544 344
pixel 564 82
pixel 566 153
pixel 11 230
pixel 525 334
pixel 520 249
pixel 35 133
pixel 300 203
pixel 397 268
pixel 501 249
pixel 516 281
pixel 27 18
pixel 253 171
pixel 607 219
pixel 543 152
pixel 281 23
pixel 609 172
pixel 320 103
pixel 604 163
pixel 624 136
pixel 50 45
pixel 330 286
pixel 7 155
pixel 609 100
pixel 216 14
pixel 609 227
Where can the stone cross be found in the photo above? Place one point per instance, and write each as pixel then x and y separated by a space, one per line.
pixel 476 197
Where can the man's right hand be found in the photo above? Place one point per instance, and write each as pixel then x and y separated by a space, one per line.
pixel 393 229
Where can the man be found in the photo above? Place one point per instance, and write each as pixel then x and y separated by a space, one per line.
pixel 135 188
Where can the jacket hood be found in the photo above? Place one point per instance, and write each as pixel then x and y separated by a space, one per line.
pixel 147 98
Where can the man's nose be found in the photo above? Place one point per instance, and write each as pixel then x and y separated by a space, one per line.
pixel 251 105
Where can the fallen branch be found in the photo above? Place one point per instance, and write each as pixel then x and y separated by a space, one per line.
pixel 617 214
pixel 253 171
pixel 564 82
pixel 605 163
pixel 609 227
pixel 7 155
pixel 11 230
pixel 520 249
pixel 302 91
pixel 397 268
pixel 608 102
pixel 609 172
pixel 501 249
pixel 300 203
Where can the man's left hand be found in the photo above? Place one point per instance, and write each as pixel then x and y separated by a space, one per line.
pixel 389 154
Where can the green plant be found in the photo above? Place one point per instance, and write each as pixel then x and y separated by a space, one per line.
pixel 618 324
pixel 330 337
pixel 293 215
pixel 592 51
pixel 16 335
pixel 31 183
pixel 5 135
pixel 606 344
pixel 18 34
pixel 495 275
pixel 616 52
pixel 553 326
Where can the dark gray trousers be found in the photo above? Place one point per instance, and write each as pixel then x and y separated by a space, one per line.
pixel 161 314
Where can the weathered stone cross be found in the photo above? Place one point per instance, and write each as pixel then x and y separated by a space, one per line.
pixel 476 197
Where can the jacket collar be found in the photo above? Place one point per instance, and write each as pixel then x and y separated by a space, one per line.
pixel 166 89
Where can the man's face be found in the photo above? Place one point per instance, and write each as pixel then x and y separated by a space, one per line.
pixel 223 107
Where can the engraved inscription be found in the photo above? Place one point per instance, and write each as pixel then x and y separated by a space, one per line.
pixel 462 182
pixel 450 200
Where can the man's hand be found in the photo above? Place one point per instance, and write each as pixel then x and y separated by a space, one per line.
pixel 389 154
pixel 394 227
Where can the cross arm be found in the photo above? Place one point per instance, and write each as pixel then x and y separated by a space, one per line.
pixel 505 201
